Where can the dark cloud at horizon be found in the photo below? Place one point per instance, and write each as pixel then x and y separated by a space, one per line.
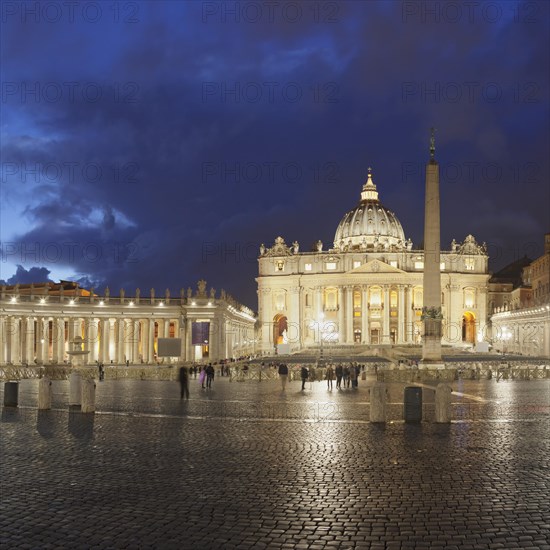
pixel 27 276
pixel 172 141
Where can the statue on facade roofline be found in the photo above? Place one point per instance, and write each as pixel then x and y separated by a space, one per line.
pixel 222 294
pixel 262 249
pixel 295 247
pixel 189 292
pixel 470 246
pixel 454 246
pixel 201 285
pixel 319 245
pixel 212 293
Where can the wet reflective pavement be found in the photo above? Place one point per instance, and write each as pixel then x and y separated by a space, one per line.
pixel 245 465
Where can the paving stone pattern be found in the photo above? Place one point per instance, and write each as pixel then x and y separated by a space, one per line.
pixel 174 475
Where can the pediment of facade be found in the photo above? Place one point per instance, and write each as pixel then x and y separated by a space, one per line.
pixel 376 266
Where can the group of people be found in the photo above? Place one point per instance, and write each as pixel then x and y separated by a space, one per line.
pixel 206 377
pixel 348 374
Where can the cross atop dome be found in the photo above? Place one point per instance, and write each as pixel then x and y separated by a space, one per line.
pixel 369 192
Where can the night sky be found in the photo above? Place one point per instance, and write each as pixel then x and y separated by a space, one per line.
pixel 151 144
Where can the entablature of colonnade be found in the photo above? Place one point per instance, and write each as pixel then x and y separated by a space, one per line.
pixel 536 313
pixel 77 310
pixel 46 308
pixel 67 297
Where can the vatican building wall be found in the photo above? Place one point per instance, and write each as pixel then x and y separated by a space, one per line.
pixel 57 323
pixel 520 319
pixel 366 287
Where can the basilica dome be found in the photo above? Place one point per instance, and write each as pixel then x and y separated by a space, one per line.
pixel 370 225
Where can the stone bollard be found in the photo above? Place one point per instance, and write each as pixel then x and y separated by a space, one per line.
pixel 88 396
pixel 378 402
pixel 75 389
pixel 443 404
pixel 44 394
pixel 11 394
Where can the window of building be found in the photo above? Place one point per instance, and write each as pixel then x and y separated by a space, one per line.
pixel 330 265
pixel 442 266
pixel 280 265
pixel 375 297
pixel 356 264
pixel 393 263
pixel 469 264
pixel 280 301
pixel 356 299
pixel 418 264
pixel 308 267
pixel 330 299
pixel 469 297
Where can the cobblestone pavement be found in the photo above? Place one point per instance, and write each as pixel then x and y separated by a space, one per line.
pixel 248 466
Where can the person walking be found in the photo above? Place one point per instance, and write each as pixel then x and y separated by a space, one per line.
pixel 339 373
pixel 209 375
pixel 345 375
pixel 202 375
pixel 353 376
pixel 184 382
pixel 283 375
pixel 330 376
pixel 305 376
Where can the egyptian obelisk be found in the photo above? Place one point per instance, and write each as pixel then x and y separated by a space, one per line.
pixel 431 312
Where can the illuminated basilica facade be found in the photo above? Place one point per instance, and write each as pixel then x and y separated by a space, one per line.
pixel 366 289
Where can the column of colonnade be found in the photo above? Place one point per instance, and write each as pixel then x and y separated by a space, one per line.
pixel 28 345
pixel 136 328
pixel 151 339
pixel 120 340
pixel 145 344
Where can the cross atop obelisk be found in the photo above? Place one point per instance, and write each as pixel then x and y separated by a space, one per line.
pixel 431 312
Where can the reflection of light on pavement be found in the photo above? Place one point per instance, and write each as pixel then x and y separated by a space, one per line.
pixel 461 394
